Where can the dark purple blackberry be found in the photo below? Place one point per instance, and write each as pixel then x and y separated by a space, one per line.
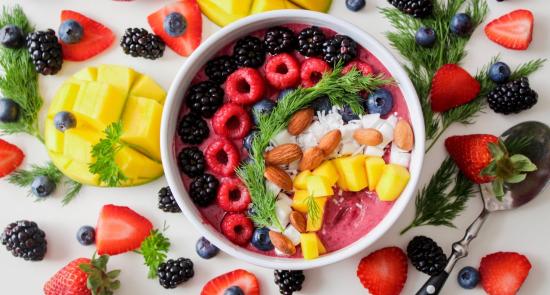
pixel 426 255
pixel 310 41
pixel 249 52
pixel 174 272
pixel 203 189
pixel 219 68
pixel 167 203
pixel 512 97
pixel 140 43
pixel 45 51
pixel 192 129
pixel 25 239
pixel 191 161
pixel 278 40
pixel 289 281
pixel 339 48
pixel 205 98
pixel 416 8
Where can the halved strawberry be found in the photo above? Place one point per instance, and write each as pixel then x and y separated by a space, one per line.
pixel 452 86
pixel 503 273
pixel 10 158
pixel 96 38
pixel 513 30
pixel 384 272
pixel 190 39
pixel 241 278
pixel 120 229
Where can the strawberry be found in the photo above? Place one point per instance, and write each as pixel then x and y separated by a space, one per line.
pixel 452 86
pixel 241 278
pixel 503 273
pixel 96 38
pixel 384 272
pixel 190 39
pixel 513 30
pixel 10 158
pixel 120 229
pixel 471 154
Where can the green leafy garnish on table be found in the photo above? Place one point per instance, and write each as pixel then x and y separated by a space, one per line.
pixel 104 153
pixel 154 249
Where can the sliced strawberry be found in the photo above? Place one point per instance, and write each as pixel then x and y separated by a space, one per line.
pixel 241 278
pixel 10 158
pixel 503 273
pixel 384 272
pixel 120 229
pixel 471 154
pixel 452 86
pixel 513 30
pixel 96 38
pixel 69 280
pixel 191 37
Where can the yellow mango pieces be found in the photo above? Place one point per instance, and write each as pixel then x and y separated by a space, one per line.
pixel 392 182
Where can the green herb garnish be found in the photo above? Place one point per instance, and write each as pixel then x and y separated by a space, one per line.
pixel 100 282
pixel 104 153
pixel 154 249
pixel 313 209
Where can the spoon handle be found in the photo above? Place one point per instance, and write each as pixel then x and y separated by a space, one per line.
pixel 460 250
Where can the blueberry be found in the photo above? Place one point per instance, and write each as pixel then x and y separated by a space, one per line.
pixel 461 24
pixel 12 36
pixel 205 249
pixel 86 235
pixel 468 277
pixel 9 110
pixel 284 92
pixel 355 5
pixel 264 107
pixel 247 140
pixel 347 114
pixel 500 72
pixel 233 290
pixel 175 24
pixel 322 104
pixel 42 186
pixel 425 37
pixel 379 102
pixel 261 240
pixel 64 121
pixel 70 31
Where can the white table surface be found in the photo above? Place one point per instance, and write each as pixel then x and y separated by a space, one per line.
pixel 524 230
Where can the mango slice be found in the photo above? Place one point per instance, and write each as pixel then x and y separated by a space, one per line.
pixel 310 245
pixel 375 167
pixel 87 74
pixel 316 5
pixel 328 171
pixel 393 182
pixel 64 99
pixel 147 87
pixel 99 104
pixel 141 125
pixel 299 201
pixel 120 77
pixel 352 169
pixel 300 180
pixel 318 186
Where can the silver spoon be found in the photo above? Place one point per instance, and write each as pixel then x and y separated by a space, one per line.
pixel 516 195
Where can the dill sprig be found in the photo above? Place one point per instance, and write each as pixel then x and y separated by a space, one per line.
pixel 340 89
pixel 313 209
pixel 73 189
pixel 104 153
pixel 154 249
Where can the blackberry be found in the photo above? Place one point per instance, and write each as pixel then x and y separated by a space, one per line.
pixel 219 68
pixel 339 47
pixel 310 41
pixel 25 239
pixel 140 43
pixel 278 40
pixel 174 272
pixel 426 255
pixel 203 189
pixel 512 97
pixel 193 129
pixel 167 203
pixel 249 52
pixel 416 8
pixel 45 51
pixel 289 281
pixel 205 98
pixel 191 161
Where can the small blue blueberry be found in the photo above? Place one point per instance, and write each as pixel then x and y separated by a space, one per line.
pixel 261 240
pixel 264 107
pixel 205 249
pixel 500 72
pixel 233 290
pixel 379 102
pixel 71 32
pixel 355 5
pixel 468 277
pixel 461 24
pixel 64 121
pixel 425 37
pixel 42 186
pixel 86 235
pixel 175 24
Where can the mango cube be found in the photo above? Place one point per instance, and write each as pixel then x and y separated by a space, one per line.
pixel 99 104
pixel 64 99
pixel 141 125
pixel 79 172
pixel 317 5
pixel 224 12
pixel 290 5
pixel 322 248
pixel 59 160
pixel 120 77
pixel 79 143
pixel 86 74
pixel 352 169
pixel 375 167
pixel 53 138
pixel 300 179
pixel 299 201
pixel 266 5
pixel 392 182
pixel 328 171
pixel 147 87
pixel 135 165
pixel 318 186
pixel 315 224
pixel 310 245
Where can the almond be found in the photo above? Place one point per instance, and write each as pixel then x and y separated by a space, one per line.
pixel 300 121
pixel 299 222
pixel 282 243
pixel 279 177
pixel 312 158
pixel 330 141
pixel 283 154
pixel 368 136
pixel 403 135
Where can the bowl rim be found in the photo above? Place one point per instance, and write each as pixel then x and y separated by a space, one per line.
pixel 209 48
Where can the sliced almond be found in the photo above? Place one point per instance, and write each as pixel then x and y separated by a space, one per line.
pixel 403 136
pixel 312 158
pixel 368 136
pixel 299 222
pixel 279 177
pixel 300 121
pixel 282 243
pixel 283 154
pixel 330 141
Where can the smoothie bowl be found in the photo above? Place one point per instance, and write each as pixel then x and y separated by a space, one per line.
pixel 292 139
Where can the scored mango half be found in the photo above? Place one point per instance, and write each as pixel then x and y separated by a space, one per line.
pixel 98 97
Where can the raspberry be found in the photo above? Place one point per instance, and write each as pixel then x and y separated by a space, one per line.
pixel 231 121
pixel 282 71
pixel 312 71
pixel 222 157
pixel 237 228
pixel 245 86
pixel 233 196
pixel 361 66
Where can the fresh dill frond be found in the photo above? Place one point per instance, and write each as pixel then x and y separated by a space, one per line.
pixel 104 153
pixel 313 209
pixel 154 250
pixel 73 189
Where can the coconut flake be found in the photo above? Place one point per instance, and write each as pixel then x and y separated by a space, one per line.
pixel 283 137
pixel 307 140
pixel 292 234
pixel 387 132
pixel 399 157
pixel 370 120
pixel 374 151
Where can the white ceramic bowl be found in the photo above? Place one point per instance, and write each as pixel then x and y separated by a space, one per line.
pixel 231 33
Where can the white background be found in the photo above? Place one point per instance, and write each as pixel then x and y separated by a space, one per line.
pixel 525 230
